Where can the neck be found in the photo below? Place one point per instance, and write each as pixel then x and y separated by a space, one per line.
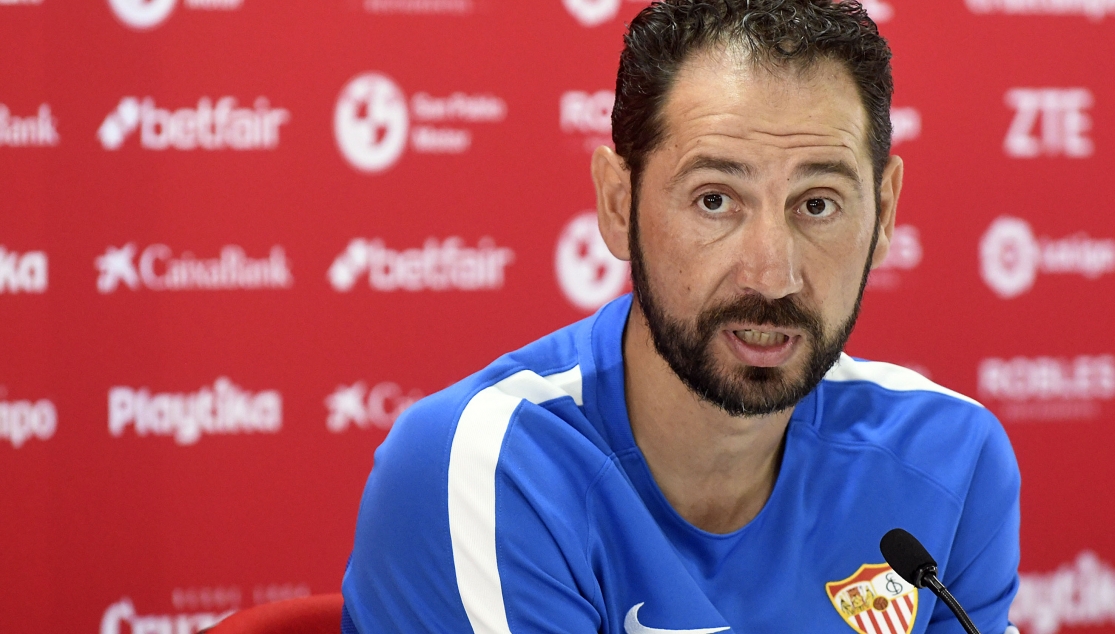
pixel 716 470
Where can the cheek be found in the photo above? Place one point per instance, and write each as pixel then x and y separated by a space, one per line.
pixel 678 264
pixel 835 271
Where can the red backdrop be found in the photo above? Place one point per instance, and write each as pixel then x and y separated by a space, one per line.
pixel 239 237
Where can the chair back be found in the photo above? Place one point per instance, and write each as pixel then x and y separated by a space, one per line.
pixel 318 614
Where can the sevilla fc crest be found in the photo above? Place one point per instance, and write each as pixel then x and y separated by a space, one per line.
pixel 875 600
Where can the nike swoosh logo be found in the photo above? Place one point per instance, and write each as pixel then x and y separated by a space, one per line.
pixel 631 625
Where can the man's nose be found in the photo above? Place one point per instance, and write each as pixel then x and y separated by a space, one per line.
pixel 767 259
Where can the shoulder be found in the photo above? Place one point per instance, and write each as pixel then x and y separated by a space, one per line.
pixel 541 382
pixel 928 428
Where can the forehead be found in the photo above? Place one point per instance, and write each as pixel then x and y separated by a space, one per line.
pixel 721 97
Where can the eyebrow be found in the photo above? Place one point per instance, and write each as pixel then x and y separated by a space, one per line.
pixel 705 162
pixel 827 168
pixel 745 170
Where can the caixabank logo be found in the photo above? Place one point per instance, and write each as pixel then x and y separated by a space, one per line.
pixel 221 124
pixel 374 122
pixel 1011 257
pixel 35 130
pixel 157 268
pixel 143 15
pixel 359 406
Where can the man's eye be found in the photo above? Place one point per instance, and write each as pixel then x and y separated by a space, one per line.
pixel 819 207
pixel 713 203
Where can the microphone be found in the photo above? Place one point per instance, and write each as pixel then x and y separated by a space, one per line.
pixel 912 562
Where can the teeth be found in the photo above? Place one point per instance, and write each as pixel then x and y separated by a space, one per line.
pixel 760 338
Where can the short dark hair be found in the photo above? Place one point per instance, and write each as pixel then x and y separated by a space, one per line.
pixel 780 32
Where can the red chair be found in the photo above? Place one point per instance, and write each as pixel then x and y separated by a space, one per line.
pixel 319 614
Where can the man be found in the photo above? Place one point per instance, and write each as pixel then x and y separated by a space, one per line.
pixel 701 456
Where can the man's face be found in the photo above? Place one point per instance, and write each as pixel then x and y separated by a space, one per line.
pixel 753 229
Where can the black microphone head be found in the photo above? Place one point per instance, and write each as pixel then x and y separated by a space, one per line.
pixel 906 556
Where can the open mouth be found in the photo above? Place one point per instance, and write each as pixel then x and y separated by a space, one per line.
pixel 761 338
pixel 761 347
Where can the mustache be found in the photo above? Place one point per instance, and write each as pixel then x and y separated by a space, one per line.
pixel 783 312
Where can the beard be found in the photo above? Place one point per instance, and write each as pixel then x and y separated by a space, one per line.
pixel 687 346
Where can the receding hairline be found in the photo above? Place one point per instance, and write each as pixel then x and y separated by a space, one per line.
pixel 740 59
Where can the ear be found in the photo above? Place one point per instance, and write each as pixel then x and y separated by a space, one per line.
pixel 889 190
pixel 613 200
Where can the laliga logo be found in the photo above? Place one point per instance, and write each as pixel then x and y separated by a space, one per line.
pixel 370 122
pixel 1011 257
pixel 142 14
pixel 592 12
pixel 588 274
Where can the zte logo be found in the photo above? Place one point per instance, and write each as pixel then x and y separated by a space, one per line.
pixel 26 273
pixel 1049 122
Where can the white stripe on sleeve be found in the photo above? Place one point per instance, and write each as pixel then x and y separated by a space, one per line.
pixel 473 458
pixel 889 376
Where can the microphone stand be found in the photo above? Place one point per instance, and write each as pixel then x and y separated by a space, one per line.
pixel 929 578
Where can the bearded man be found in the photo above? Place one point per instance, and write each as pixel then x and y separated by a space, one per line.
pixel 701 456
